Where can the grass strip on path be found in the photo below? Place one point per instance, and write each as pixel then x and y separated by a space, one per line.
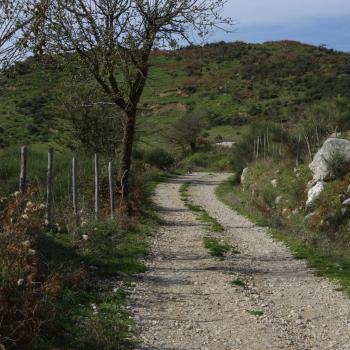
pixel 202 215
pixel 216 247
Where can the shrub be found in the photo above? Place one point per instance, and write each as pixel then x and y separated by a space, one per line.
pixel 198 160
pixel 190 89
pixel 269 195
pixel 186 131
pixel 194 69
pixel 26 289
pixel 159 158
pixel 336 162
pixel 215 247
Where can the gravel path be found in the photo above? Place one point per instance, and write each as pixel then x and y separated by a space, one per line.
pixel 185 300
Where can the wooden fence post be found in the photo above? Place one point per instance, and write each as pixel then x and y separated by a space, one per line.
pixel 110 180
pixel 23 172
pixel 49 197
pixel 257 147
pixel 97 176
pixel 74 191
pixel 298 151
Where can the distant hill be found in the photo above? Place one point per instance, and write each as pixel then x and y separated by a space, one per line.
pixel 234 83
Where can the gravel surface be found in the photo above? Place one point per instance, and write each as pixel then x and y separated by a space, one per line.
pixel 186 301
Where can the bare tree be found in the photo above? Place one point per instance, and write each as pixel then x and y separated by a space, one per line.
pixel 187 130
pixel 16 19
pixel 114 40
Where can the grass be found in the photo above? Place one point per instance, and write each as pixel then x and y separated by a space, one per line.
pixel 97 264
pixel 327 258
pixel 256 312
pixel 237 282
pixel 91 312
pixel 203 216
pixel 215 247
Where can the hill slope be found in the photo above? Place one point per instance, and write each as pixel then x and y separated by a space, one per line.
pixel 234 83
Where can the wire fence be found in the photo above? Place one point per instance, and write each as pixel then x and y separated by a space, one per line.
pixel 76 192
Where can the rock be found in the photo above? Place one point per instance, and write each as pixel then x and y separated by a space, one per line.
pixel 319 166
pixel 20 282
pixel 285 211
pixel 244 175
pixel 309 216
pixel 335 135
pixel 274 183
pixel 346 203
pixel 226 144
pixel 278 200
pixel 295 211
pixel 314 192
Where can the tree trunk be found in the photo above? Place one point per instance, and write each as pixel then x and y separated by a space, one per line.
pixel 193 146
pixel 125 165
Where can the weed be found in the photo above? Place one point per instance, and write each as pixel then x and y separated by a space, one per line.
pixel 256 312
pixel 237 282
pixel 215 247
pixel 203 216
pixel 336 162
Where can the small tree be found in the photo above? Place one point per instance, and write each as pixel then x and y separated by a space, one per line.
pixel 114 40
pixel 186 131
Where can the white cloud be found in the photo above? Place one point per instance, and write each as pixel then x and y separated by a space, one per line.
pixel 258 12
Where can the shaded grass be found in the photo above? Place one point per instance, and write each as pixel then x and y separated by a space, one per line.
pixel 329 260
pixel 99 265
pixel 91 311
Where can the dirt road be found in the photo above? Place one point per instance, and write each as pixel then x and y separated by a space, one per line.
pixel 187 300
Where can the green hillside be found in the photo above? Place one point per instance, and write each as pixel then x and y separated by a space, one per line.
pixel 233 83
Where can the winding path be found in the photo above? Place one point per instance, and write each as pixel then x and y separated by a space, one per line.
pixel 186 301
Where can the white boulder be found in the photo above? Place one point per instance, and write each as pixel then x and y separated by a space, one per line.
pixel 225 144
pixel 244 175
pixel 309 216
pixel 314 192
pixel 319 166
pixel 346 203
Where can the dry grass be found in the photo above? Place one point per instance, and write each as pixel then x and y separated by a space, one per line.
pixel 26 288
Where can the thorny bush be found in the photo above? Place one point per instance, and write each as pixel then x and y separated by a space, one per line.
pixel 26 289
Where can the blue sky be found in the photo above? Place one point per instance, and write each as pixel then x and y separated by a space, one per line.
pixel 310 21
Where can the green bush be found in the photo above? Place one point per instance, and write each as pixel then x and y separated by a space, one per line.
pixel 159 158
pixel 336 162
pixel 199 160
pixel 269 195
